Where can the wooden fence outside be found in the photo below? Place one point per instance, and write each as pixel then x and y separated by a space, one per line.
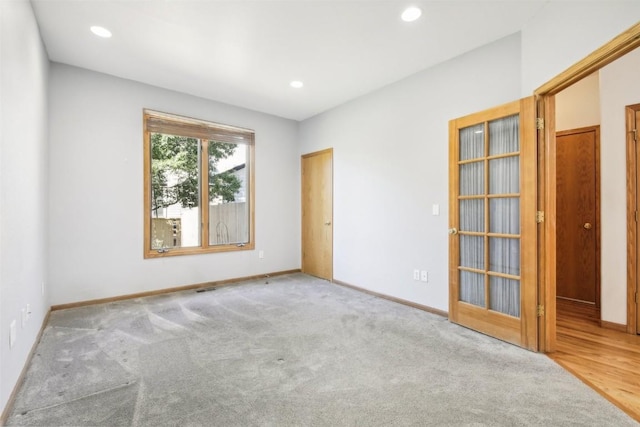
pixel 227 225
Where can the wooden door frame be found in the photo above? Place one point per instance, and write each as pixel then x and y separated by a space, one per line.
pixel 545 97
pixel 596 130
pixel 632 224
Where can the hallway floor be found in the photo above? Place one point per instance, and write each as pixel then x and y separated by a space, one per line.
pixel 605 359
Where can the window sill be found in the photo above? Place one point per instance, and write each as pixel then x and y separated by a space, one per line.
pixel 196 251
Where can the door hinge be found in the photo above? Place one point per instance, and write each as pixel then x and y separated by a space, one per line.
pixel 539 123
pixel 540 310
pixel 540 217
pixel 635 134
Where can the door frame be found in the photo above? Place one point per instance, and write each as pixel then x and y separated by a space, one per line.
pixel 545 97
pixel 632 224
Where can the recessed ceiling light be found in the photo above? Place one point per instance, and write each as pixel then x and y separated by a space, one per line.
pixel 410 14
pixel 101 31
pixel 296 84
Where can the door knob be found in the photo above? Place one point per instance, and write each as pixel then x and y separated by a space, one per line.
pixel 327 223
pixel 587 225
pixel 453 231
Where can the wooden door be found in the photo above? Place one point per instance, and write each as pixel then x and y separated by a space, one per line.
pixel 578 222
pixel 492 208
pixel 317 214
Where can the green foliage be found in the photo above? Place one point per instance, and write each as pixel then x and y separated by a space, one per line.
pixel 175 170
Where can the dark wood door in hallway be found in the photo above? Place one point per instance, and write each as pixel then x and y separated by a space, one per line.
pixel 578 228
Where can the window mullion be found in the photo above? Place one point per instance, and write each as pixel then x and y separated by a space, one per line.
pixel 204 193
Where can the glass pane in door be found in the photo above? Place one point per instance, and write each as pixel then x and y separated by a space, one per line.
pixel 472 252
pixel 504 295
pixel 504 215
pixel 472 288
pixel 472 179
pixel 504 175
pixel 472 215
pixel 504 135
pixel 504 255
pixel 472 142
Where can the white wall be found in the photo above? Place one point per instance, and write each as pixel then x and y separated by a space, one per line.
pixel 24 69
pixel 620 86
pixel 579 105
pixel 96 203
pixel 565 32
pixel 391 166
pixel 383 196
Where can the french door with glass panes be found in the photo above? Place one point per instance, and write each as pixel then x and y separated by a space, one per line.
pixel 492 205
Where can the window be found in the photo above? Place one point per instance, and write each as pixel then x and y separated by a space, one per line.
pixel 198 186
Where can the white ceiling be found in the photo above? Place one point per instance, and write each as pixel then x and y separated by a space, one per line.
pixel 245 52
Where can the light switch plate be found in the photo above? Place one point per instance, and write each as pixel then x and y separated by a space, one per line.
pixel 435 210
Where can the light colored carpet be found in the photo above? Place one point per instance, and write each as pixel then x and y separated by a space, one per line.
pixel 295 352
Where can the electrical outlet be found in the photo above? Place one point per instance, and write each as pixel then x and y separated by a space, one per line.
pixel 261 254
pixel 416 274
pixel 12 334
pixel 424 276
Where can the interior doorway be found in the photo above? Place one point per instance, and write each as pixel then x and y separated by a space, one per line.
pixel 610 52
